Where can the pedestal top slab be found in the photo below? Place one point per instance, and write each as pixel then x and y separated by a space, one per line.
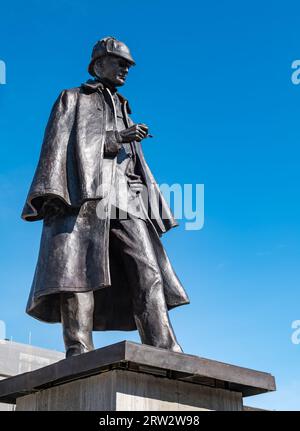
pixel 143 359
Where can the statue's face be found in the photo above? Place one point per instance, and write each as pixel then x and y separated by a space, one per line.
pixel 112 69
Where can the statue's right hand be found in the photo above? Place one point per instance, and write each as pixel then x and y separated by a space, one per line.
pixel 53 207
pixel 137 132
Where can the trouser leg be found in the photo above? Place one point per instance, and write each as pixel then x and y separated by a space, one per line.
pixel 131 238
pixel 77 321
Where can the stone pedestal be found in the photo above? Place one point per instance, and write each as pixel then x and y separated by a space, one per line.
pixel 129 376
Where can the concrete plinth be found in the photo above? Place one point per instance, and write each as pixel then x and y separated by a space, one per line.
pixel 130 376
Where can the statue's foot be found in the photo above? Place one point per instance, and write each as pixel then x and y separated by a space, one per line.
pixel 77 349
pixel 176 348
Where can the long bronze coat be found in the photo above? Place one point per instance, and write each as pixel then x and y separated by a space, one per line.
pixel 71 168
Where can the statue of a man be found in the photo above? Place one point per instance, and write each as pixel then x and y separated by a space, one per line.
pixel 101 263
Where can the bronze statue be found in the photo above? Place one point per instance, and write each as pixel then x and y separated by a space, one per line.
pixel 98 269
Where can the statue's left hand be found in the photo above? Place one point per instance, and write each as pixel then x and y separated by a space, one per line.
pixel 136 187
pixel 135 183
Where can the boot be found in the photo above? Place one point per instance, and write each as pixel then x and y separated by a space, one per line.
pixel 77 311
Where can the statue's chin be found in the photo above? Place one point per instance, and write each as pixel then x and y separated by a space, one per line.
pixel 119 82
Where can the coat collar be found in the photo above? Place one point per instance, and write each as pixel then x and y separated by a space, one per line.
pixel 93 85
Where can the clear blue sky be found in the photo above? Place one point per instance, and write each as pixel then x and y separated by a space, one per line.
pixel 213 81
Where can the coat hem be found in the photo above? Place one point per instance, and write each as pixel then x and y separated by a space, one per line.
pixel 52 290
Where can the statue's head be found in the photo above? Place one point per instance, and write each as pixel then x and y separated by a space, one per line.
pixel 111 60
